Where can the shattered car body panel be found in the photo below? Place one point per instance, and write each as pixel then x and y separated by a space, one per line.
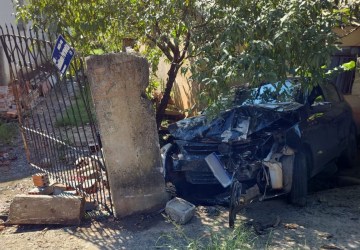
pixel 242 138
pixel 256 142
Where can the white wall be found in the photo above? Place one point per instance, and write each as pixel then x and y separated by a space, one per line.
pixel 7 16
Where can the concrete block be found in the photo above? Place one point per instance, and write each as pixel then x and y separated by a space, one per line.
pixel 128 132
pixel 179 210
pixel 45 209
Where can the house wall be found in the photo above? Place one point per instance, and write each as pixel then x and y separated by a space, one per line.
pixel 354 98
pixel 184 90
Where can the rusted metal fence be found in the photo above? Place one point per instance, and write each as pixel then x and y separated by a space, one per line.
pixel 56 115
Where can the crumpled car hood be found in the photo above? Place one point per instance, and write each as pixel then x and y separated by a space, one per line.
pixel 233 125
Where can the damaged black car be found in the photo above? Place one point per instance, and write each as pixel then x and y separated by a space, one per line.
pixel 270 143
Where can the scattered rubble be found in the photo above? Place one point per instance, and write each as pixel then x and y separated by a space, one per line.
pixel 47 204
pixel 42 190
pixel 8 108
pixel 6 158
pixel 291 226
pixel 330 246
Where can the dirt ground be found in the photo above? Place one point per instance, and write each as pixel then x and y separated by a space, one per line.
pixel 331 220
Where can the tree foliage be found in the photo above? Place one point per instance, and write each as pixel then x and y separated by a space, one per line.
pixel 230 42
pixel 163 26
pixel 263 41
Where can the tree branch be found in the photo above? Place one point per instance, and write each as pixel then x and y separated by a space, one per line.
pixel 166 40
pixel 186 46
pixel 162 47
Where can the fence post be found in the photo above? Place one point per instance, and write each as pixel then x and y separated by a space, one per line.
pixel 128 131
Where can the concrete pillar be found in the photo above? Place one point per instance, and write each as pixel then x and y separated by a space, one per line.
pixel 128 132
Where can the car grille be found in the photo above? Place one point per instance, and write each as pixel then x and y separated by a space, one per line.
pixel 201 178
pixel 201 149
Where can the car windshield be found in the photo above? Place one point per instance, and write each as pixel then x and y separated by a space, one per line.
pixel 272 93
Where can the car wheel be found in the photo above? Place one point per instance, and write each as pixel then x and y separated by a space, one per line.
pixel 299 186
pixel 348 158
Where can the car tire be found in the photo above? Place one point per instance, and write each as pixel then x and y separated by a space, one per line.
pixel 348 158
pixel 299 186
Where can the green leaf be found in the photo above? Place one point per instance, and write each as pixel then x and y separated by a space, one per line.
pixel 349 65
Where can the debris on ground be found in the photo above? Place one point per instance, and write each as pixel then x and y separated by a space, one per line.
pixel 180 210
pixel 331 246
pixel 263 228
pixel 211 211
pixel 47 204
pixel 7 157
pixel 291 226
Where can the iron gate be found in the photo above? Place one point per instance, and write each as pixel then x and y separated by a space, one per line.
pixel 56 115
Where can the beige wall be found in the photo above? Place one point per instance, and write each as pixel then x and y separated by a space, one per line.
pixel 184 90
pixel 349 36
pixel 354 98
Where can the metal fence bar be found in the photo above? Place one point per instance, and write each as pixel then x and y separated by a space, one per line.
pixel 56 115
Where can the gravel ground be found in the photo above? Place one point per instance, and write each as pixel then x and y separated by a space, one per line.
pixel 329 221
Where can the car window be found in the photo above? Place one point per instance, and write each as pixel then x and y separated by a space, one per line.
pixel 330 93
pixel 271 93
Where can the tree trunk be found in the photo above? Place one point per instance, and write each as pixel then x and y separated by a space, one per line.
pixel 164 101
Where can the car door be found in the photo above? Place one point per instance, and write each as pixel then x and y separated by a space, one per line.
pixel 339 119
pixel 317 132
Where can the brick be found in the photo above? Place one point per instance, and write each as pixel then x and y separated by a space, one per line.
pixel 179 210
pixel 40 180
pixel 61 209
pixel 11 113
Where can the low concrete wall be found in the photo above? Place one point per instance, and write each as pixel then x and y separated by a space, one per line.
pixel 128 130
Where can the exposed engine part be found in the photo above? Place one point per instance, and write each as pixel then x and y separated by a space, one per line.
pixel 273 162
pixel 276 174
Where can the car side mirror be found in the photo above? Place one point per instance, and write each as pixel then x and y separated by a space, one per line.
pixel 320 107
